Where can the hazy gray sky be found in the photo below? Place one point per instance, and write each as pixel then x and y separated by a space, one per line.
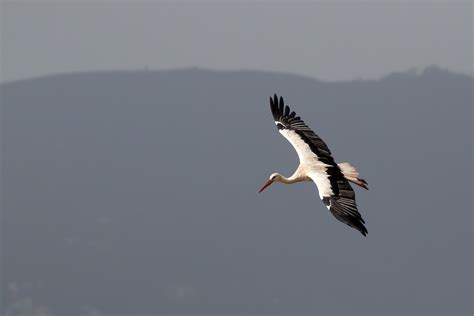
pixel 325 39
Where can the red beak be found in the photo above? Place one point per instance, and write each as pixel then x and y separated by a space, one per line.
pixel 266 185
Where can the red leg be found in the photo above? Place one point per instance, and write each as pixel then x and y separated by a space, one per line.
pixel 362 185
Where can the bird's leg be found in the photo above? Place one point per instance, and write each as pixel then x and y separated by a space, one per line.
pixel 362 183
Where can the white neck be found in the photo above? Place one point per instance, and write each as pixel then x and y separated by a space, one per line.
pixel 290 180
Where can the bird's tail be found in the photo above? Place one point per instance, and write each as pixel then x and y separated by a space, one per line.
pixel 352 175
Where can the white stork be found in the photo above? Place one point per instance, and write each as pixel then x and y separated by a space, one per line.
pixel 317 165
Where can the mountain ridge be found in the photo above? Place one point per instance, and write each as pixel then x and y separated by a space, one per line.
pixel 143 187
pixel 410 72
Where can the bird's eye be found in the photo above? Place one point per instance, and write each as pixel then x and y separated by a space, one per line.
pixel 273 178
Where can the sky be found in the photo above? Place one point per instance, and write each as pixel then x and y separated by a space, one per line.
pixel 330 40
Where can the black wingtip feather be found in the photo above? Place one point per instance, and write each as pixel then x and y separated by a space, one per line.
pixel 359 225
pixel 363 230
pixel 274 108
pixel 280 106
pixel 347 214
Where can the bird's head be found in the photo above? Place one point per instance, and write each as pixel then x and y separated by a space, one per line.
pixel 274 177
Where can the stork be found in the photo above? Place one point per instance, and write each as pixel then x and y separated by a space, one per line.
pixel 317 165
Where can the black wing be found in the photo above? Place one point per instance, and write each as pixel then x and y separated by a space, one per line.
pixel 344 207
pixel 286 120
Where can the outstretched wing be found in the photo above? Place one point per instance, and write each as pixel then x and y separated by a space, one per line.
pixel 314 154
pixel 344 207
pixel 294 128
pixel 311 149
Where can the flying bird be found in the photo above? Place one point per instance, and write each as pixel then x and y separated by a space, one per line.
pixel 317 165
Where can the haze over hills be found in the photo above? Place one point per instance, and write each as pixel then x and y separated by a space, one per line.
pixel 136 193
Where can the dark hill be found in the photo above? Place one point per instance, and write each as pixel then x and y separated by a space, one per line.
pixel 136 193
